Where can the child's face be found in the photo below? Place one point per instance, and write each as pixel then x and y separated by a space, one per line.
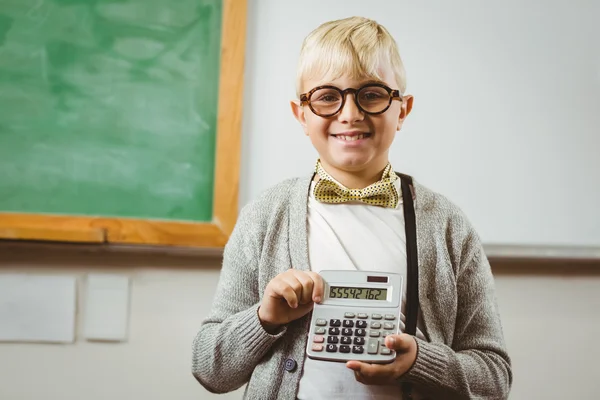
pixel 359 155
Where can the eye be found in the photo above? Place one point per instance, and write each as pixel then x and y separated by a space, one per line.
pixel 370 95
pixel 328 98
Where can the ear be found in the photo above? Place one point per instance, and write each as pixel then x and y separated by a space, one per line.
pixel 407 104
pixel 298 112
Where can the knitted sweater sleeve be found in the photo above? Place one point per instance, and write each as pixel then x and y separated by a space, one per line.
pixel 231 341
pixel 476 365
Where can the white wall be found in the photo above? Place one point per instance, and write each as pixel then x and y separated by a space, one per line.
pixel 169 298
pixel 505 119
pixel 551 323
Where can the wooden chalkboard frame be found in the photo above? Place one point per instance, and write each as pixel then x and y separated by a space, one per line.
pixel 84 229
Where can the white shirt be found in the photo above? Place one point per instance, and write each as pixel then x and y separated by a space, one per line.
pixel 353 236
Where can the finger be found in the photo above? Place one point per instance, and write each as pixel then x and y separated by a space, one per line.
pixel 282 289
pixel 359 377
pixel 370 373
pixel 318 287
pixel 307 286
pixel 295 284
pixel 355 366
pixel 400 343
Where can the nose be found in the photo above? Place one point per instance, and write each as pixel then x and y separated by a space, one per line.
pixel 350 112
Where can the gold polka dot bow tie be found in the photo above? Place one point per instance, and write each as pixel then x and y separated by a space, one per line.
pixel 381 193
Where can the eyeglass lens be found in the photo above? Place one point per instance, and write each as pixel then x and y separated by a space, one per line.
pixel 328 101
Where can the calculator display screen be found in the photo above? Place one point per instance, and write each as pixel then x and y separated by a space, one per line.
pixel 341 292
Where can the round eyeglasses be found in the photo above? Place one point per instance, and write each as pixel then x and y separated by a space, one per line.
pixel 373 98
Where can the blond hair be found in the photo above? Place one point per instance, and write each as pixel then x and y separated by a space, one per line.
pixel 353 46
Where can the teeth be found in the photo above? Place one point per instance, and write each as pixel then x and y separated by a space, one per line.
pixel 351 138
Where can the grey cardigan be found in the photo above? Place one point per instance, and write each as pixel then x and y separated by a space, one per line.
pixel 464 356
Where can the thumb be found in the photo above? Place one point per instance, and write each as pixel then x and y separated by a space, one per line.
pixel 399 343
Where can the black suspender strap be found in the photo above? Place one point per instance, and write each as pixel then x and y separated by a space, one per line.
pixel 412 269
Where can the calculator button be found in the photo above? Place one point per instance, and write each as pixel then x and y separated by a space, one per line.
pixel 388 325
pixel 317 347
pixel 360 332
pixel 334 331
pixel 359 340
pixel 344 349
pixel 390 317
pixel 385 351
pixel 349 324
pixel 357 349
pixel 361 324
pixel 346 340
pixel 321 322
pixel 320 331
pixel 318 339
pixel 376 325
pixel 373 346
pixel 335 322
pixel 349 315
pixel 331 348
pixel 376 316
pixel 374 333
pixel 362 316
pixel 333 339
pixel 347 332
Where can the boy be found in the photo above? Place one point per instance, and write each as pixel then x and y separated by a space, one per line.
pixel 350 104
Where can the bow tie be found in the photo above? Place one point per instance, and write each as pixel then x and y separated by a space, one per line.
pixel 381 193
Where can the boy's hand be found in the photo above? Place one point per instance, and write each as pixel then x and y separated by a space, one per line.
pixel 387 374
pixel 289 296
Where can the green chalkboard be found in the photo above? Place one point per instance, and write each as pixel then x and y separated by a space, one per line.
pixel 109 107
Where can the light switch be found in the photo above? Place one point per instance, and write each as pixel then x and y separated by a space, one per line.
pixel 37 308
pixel 106 310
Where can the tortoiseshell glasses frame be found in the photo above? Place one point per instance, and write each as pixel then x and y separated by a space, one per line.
pixel 371 98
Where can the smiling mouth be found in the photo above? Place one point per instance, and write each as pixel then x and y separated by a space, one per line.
pixel 351 138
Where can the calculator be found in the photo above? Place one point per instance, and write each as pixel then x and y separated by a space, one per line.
pixel 359 309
